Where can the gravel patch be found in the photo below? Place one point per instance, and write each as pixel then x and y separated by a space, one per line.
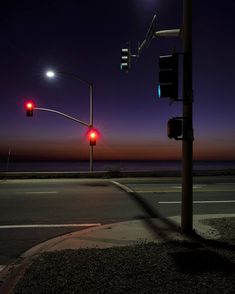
pixel 225 226
pixel 196 266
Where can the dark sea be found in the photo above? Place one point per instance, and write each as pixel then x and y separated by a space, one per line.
pixel 77 166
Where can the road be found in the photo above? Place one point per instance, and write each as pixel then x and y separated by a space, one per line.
pixel 32 211
pixel 211 195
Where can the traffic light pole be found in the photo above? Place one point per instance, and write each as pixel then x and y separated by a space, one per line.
pixel 91 107
pixel 91 124
pixel 91 158
pixel 187 139
pixel 63 114
pixel 187 144
pixel 91 113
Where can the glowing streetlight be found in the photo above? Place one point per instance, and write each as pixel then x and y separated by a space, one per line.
pixel 50 74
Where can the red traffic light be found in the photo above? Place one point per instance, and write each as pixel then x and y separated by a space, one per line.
pixel 92 136
pixel 29 106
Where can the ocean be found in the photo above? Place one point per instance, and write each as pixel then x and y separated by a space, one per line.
pixel 126 165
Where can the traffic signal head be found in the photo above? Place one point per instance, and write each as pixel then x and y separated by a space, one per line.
pixel 175 128
pixel 92 137
pixel 168 76
pixel 29 106
pixel 125 59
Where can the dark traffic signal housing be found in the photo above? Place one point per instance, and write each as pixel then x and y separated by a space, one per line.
pixel 92 137
pixel 175 128
pixel 125 59
pixel 168 76
pixel 29 106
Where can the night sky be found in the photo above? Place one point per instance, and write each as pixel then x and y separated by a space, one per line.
pixel 85 38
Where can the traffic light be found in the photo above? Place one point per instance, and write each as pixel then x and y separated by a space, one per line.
pixel 92 136
pixel 168 76
pixel 175 128
pixel 29 106
pixel 125 59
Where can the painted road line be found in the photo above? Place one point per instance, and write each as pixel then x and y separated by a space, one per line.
pixel 48 226
pixel 194 186
pixel 198 201
pixel 41 192
pixel 179 190
pixel 123 187
pixel 224 183
pixel 172 189
pixel 2 267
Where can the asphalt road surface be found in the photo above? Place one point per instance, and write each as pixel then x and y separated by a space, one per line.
pixel 32 211
pixel 211 195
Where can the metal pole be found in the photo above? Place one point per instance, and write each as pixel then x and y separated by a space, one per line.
pixel 91 105
pixel 187 145
pixel 63 114
pixel 8 159
pixel 91 158
pixel 91 124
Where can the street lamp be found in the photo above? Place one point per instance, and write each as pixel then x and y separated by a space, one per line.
pixel 51 74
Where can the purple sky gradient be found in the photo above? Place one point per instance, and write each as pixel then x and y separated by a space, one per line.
pixel 85 38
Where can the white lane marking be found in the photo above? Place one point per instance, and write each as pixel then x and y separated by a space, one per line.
pixel 2 267
pixel 169 189
pixel 194 187
pixel 48 226
pixel 124 187
pixel 41 192
pixel 198 201
pixel 225 184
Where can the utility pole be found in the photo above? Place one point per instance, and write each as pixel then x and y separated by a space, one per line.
pixel 165 89
pixel 91 124
pixel 52 74
pixel 187 144
pixel 30 107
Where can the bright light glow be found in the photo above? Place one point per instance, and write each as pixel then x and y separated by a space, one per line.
pixel 50 74
pixel 159 91
pixel 92 135
pixel 29 105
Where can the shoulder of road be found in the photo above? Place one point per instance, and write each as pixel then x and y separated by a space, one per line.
pixel 112 174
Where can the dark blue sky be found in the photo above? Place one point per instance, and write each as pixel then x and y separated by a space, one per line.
pixel 85 38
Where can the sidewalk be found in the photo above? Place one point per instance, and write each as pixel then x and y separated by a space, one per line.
pixel 116 235
pixel 126 233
